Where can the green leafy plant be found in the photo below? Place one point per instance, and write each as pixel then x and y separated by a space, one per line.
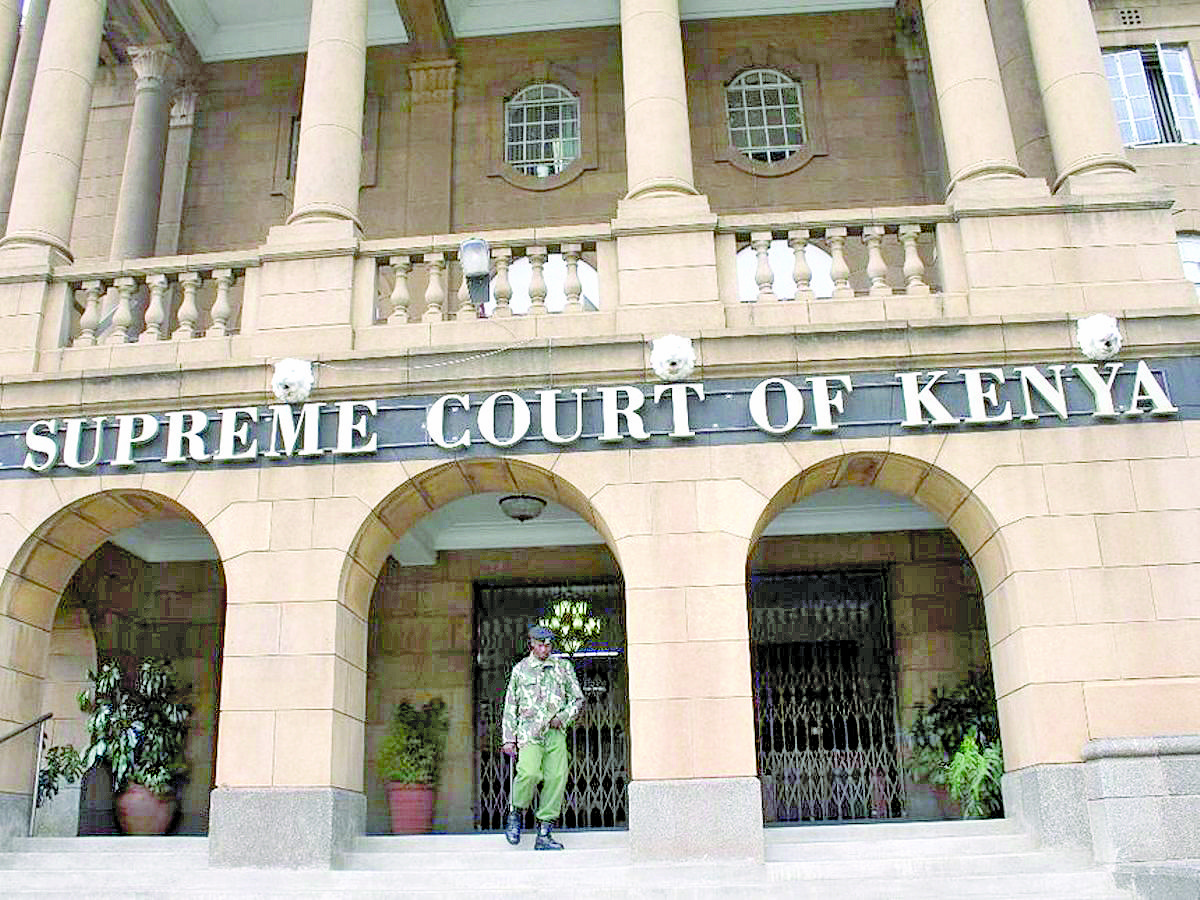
pixel 939 736
pixel 415 744
pixel 137 730
pixel 973 777
pixel 60 764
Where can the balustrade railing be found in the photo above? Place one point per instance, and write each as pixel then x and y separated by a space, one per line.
pixel 159 301
pixel 837 256
pixel 532 274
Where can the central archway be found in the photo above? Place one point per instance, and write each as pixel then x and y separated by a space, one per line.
pixel 448 621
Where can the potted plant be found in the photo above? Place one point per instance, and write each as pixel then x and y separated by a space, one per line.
pixel 137 728
pixel 955 745
pixel 410 761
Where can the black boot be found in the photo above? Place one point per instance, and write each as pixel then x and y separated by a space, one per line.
pixel 544 840
pixel 512 827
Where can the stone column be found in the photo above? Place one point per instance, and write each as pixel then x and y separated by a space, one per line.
pixel 658 145
pixel 174 181
pixel 1075 95
pixel 330 161
pixel 1015 57
pixel 136 225
pixel 10 27
pixel 975 125
pixel 20 90
pixel 43 204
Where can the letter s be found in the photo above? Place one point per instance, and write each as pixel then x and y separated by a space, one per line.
pixel 41 438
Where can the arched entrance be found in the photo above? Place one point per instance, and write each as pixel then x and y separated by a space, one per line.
pixel 120 575
pixel 862 602
pixel 457 582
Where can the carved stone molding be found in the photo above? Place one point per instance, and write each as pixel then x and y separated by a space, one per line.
pixel 183 105
pixel 156 66
pixel 432 82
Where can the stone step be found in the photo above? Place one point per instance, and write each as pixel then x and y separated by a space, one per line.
pixel 522 857
pixel 783 851
pixel 918 867
pixel 459 843
pixel 891 830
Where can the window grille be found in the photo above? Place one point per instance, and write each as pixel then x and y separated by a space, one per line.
pixel 1154 95
pixel 766 115
pixel 541 130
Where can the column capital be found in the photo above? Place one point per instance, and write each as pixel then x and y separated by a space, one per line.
pixel 432 82
pixel 183 103
pixel 156 65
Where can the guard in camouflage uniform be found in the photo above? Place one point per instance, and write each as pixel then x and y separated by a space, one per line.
pixel 542 700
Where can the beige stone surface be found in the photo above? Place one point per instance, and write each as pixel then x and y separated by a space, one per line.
pixel 1045 723
pixel 1141 708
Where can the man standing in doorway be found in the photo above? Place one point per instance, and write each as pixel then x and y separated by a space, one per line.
pixel 542 700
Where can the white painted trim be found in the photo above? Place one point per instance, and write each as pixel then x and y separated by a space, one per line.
pixel 287 34
pixel 477 18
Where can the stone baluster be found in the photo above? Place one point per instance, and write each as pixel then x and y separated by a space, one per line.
pixel 90 318
pixel 572 286
pixel 537 280
pixel 466 309
pixel 877 269
pixel 914 266
pixel 763 276
pixel 435 291
pixel 839 270
pixel 222 308
pixel 402 266
pixel 189 312
pixel 122 320
pixel 801 271
pixel 501 286
pixel 156 310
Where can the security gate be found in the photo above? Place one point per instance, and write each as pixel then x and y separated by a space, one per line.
pixel 599 739
pixel 825 697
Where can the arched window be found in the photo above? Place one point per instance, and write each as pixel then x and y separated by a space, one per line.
pixel 541 130
pixel 766 115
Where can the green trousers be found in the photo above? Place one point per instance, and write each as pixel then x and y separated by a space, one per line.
pixel 543 760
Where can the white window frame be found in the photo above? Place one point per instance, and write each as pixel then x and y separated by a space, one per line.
pixel 524 103
pixel 1129 83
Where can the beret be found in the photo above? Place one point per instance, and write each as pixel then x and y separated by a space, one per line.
pixel 540 633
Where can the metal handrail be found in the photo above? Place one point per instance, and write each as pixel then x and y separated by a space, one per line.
pixel 40 724
pixel 38 721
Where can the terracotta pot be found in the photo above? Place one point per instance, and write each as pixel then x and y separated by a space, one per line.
pixel 411 806
pixel 141 811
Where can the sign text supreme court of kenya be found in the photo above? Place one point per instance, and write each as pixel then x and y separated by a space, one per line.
pixel 795 407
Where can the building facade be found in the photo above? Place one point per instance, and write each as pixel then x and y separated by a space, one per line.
pixel 884 460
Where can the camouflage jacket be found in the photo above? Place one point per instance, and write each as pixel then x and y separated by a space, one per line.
pixel 537 692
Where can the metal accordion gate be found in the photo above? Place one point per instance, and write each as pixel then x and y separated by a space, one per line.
pixel 599 739
pixel 825 707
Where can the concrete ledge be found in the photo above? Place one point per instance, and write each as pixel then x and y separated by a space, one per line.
pixel 1161 881
pixel 696 818
pixel 14 817
pixel 1050 803
pixel 1143 797
pixel 296 828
